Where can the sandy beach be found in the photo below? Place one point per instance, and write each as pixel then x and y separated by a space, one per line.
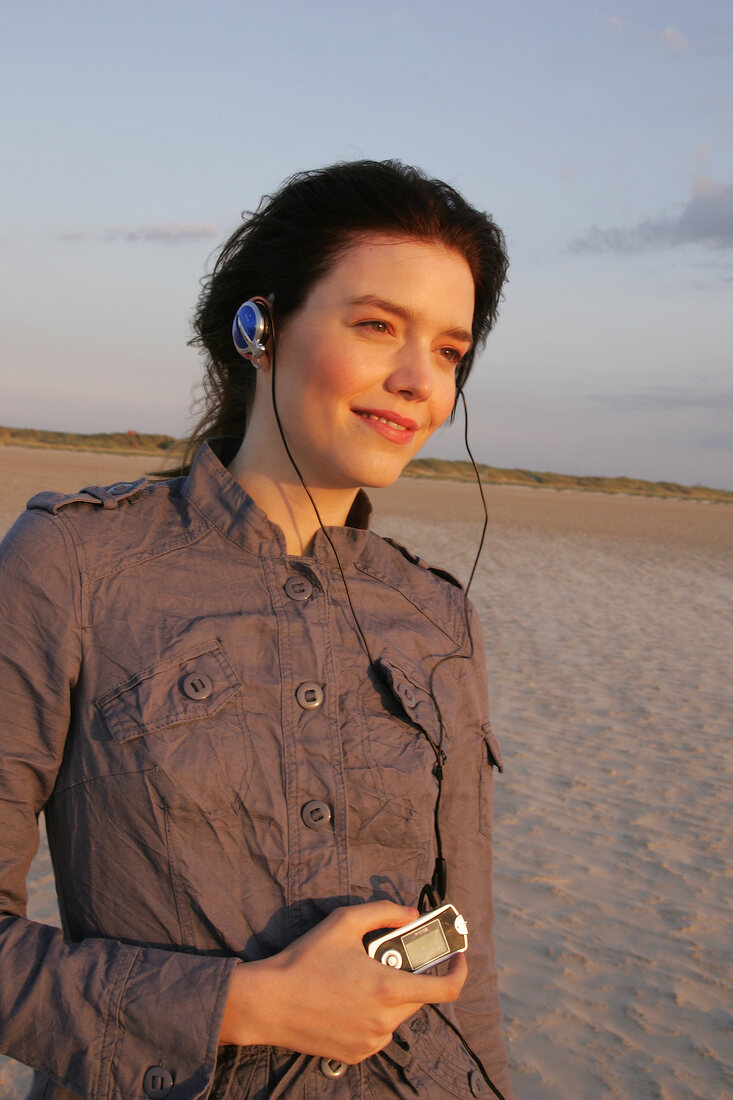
pixel 608 622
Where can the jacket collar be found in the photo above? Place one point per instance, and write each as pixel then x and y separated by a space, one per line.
pixel 214 492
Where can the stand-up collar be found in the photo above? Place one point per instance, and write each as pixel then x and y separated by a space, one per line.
pixel 213 491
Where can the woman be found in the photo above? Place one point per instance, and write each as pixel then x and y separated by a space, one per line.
pixel 234 702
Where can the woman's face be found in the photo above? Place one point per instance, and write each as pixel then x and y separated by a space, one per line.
pixel 365 369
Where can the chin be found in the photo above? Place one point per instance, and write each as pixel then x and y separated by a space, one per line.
pixel 382 477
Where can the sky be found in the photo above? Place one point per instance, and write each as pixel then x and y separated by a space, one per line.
pixel 598 135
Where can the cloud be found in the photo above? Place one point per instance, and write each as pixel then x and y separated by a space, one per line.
pixel 671 40
pixel 706 219
pixel 171 233
pixel 616 24
pixel 717 441
pixel 668 398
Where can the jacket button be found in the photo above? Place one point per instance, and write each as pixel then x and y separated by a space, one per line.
pixel 331 1068
pixel 298 588
pixel 406 694
pixel 316 814
pixel 198 686
pixel 309 695
pixel 477 1084
pixel 157 1083
pixel 419 1025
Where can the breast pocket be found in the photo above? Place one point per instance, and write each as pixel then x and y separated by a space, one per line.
pixel 401 723
pixel 184 718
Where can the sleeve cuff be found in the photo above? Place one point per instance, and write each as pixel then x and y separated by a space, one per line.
pixel 164 1038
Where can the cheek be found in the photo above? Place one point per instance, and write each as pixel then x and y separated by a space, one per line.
pixel 341 378
pixel 444 396
pixel 315 385
pixel 332 364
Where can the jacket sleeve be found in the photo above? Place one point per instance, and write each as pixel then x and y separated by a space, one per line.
pixel 466 825
pixel 93 1016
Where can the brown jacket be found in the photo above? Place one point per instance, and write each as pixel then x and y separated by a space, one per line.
pixel 219 769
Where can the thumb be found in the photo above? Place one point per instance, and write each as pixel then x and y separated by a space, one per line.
pixel 378 914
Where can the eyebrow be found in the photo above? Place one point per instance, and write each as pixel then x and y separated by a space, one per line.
pixel 401 311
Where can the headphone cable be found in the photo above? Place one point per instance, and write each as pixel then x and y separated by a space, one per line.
pixel 434 892
pixel 315 506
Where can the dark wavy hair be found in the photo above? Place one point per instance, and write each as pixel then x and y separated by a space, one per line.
pixel 293 239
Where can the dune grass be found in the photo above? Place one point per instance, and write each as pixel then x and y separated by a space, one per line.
pixel 110 442
pixel 440 469
pixel 444 469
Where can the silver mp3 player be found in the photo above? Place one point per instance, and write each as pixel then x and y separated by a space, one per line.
pixel 432 938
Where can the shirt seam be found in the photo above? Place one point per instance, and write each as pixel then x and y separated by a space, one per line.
pixel 396 587
pixel 76 573
pixel 111 1041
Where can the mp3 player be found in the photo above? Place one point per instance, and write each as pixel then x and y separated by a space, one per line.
pixel 432 938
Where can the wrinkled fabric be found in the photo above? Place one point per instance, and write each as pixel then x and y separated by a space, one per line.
pixel 160 654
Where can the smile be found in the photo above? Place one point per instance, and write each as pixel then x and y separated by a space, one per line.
pixel 389 417
pixel 391 426
pixel 384 420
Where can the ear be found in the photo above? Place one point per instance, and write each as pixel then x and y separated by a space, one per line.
pixel 262 363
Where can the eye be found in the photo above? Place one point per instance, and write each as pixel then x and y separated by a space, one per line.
pixel 375 326
pixel 451 355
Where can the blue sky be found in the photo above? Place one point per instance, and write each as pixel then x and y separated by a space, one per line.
pixel 599 135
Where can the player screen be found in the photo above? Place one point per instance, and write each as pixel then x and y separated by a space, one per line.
pixel 425 944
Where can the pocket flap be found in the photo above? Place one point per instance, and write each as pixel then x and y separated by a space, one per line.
pixel 492 747
pixel 190 684
pixel 411 691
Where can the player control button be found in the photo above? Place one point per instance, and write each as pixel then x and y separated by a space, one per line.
pixel 392 958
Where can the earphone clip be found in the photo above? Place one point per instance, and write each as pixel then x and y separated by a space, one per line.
pixel 252 329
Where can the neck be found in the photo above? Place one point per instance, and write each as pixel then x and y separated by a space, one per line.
pixel 285 502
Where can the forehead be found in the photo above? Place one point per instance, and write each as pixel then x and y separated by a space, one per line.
pixel 376 263
pixel 381 254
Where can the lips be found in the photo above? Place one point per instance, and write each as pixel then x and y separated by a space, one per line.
pixel 389 425
pixel 391 419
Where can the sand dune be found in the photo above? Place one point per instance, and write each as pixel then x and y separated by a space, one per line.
pixel 608 626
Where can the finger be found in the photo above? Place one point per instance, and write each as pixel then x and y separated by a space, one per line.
pixel 430 988
pixel 377 914
pixel 458 966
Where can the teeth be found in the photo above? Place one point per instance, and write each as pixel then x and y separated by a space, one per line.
pixel 383 420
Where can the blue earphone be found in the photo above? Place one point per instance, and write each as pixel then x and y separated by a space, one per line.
pixel 252 328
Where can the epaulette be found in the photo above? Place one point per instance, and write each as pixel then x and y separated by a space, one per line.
pixel 109 496
pixel 415 560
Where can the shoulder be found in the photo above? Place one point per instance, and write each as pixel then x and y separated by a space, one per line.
pixel 395 562
pixel 431 591
pixel 413 559
pixel 111 526
pixel 106 496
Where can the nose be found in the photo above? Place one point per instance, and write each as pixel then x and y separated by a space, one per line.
pixel 412 375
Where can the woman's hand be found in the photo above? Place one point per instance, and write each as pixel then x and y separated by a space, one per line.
pixel 323 995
